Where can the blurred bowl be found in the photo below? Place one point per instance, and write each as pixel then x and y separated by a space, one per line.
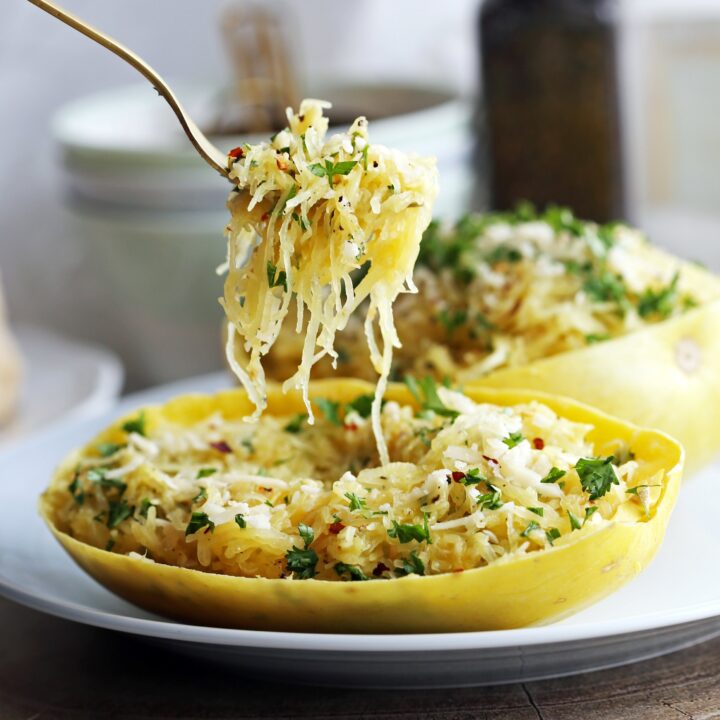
pixel 147 214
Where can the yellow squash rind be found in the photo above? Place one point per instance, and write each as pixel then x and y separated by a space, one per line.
pixel 664 376
pixel 531 589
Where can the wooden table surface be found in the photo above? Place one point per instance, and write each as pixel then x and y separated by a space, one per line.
pixel 51 668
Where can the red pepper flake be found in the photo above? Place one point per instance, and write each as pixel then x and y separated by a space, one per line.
pixel 237 153
pixel 491 460
pixel 380 568
pixel 281 164
pixel 351 426
pixel 267 489
pixel 221 446
pixel 538 443
pixel 265 217
pixel 457 570
pixel 458 476
pixel 335 527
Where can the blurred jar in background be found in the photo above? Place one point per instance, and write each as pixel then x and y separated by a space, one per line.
pixel 551 105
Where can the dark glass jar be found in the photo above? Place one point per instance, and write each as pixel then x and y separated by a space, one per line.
pixel 551 105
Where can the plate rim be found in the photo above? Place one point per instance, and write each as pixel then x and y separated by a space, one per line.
pixel 296 641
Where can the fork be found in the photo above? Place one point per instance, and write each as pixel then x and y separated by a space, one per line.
pixel 209 152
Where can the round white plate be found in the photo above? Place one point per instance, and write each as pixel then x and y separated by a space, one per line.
pixel 674 603
pixel 62 379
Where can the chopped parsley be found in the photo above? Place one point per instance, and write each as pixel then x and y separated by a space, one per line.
pixel 411 565
pixel 202 495
pixel 205 472
pixel 634 490
pixel 425 393
pixel 306 533
pixel 554 475
pixel 76 490
pixel 605 287
pixel 451 321
pixel 135 426
pixel 596 475
pixel 537 510
pixel 575 524
pixel 275 278
pixel 301 221
pixel 356 503
pixel 198 521
pixel 106 449
pixel 595 338
pixel 330 409
pixel 97 476
pixel 659 302
pixel 353 571
pixel 532 526
pixel 365 157
pixel 362 405
pixel 145 505
pixel 329 169
pixel 513 439
pixel 294 426
pixel 303 562
pixel 552 534
pixel 118 510
pixel 490 500
pixel 240 521
pixel 473 477
pixel 406 533
pixel 503 253
pixel 589 512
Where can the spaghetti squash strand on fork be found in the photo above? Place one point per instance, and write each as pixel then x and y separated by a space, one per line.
pixel 332 221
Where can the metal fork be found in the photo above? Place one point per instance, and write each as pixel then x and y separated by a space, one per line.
pixel 211 154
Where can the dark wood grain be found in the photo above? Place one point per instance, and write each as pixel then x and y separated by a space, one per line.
pixel 50 668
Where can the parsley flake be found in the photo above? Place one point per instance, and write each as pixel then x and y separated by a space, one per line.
pixel 275 278
pixel 294 426
pixel 411 565
pixel 554 475
pixel 118 510
pixel 362 405
pixel 106 449
pixel 135 426
pixel 353 571
pixel 330 409
pixel 406 533
pixel 596 475
pixel 513 439
pixel 356 503
pixel 425 393
pixel 198 521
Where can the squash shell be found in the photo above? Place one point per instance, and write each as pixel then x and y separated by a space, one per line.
pixel 526 590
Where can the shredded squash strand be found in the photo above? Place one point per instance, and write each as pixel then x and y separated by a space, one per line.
pixel 331 221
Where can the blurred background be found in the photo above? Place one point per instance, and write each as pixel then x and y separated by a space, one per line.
pixel 111 227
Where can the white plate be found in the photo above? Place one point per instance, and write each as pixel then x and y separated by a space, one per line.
pixel 62 378
pixel 675 602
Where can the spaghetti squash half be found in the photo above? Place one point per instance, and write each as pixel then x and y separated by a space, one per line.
pixel 546 301
pixel 509 508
